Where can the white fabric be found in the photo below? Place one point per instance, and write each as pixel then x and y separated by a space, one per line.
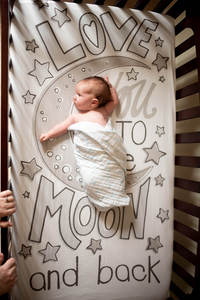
pixel 64 247
pixel 101 158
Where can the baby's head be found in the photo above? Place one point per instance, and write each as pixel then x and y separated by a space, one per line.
pixel 100 88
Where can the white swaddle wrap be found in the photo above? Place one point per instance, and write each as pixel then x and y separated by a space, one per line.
pixel 101 158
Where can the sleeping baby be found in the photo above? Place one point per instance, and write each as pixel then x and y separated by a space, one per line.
pixel 98 148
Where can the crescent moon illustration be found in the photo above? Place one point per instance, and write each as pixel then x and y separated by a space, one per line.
pixel 135 178
pixel 55 105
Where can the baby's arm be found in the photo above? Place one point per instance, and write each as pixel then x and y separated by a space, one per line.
pixel 58 129
pixel 110 105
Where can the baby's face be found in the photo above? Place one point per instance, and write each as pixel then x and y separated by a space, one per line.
pixel 84 97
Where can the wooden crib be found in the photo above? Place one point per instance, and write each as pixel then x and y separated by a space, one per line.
pixel 185 283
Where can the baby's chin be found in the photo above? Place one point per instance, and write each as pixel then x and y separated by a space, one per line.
pixel 77 108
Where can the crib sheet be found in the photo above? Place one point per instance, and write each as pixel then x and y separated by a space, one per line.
pixel 63 246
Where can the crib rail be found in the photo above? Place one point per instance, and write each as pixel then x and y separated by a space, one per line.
pixel 190 208
pixel 192 21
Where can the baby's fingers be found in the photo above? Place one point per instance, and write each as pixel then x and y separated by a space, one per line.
pixel 106 79
pixel 42 138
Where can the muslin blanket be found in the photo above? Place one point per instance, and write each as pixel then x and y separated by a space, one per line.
pixel 101 158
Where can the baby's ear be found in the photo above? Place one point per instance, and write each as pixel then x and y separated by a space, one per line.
pixel 94 103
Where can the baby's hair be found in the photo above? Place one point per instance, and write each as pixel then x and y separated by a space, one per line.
pixel 100 88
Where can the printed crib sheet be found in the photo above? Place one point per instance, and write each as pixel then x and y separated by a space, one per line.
pixel 64 247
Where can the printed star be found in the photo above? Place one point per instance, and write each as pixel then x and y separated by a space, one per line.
pixel 154 244
pixel 162 79
pixel 159 180
pixel 41 71
pixel 49 252
pixel 26 194
pixel 163 215
pixel 40 3
pixel 160 131
pixel 160 62
pixel 132 74
pixel 94 245
pixel 25 251
pixel 30 168
pixel 159 42
pixel 31 46
pixel 154 153
pixel 28 97
pixel 61 16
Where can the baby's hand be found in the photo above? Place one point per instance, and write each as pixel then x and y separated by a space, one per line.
pixel 43 137
pixel 113 93
pixel 106 79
